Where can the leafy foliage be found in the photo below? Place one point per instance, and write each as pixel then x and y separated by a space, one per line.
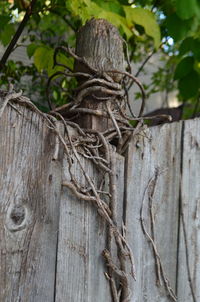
pixel 146 25
pixel 146 19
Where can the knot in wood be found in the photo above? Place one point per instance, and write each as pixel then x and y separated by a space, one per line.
pixel 17 214
pixel 17 217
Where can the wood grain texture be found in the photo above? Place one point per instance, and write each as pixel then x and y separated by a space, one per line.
pixel 158 148
pixel 190 198
pixel 82 238
pixel 29 197
pixel 51 242
pixel 100 43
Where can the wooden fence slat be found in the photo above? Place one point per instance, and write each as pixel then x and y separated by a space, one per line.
pixel 79 223
pixel 29 197
pixel 82 238
pixel 159 148
pixel 190 194
pixel 51 242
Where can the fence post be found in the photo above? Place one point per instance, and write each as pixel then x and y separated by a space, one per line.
pixel 100 44
pixel 30 182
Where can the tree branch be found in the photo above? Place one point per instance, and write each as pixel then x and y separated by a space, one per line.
pixel 17 34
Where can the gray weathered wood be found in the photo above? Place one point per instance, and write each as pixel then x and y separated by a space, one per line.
pixel 190 198
pixel 82 238
pixel 157 148
pixel 99 42
pixel 52 251
pixel 29 199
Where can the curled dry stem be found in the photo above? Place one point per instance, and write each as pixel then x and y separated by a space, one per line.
pixel 150 189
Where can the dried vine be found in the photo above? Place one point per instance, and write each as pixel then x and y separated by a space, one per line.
pixel 160 272
pixel 96 146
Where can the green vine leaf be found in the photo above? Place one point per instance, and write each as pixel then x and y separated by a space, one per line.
pixel 189 85
pixel 82 8
pixel 177 28
pixel 43 60
pixel 86 9
pixel 186 9
pixel 186 45
pixel 30 49
pixel 184 67
pixel 118 21
pixel 146 19
pixel 7 33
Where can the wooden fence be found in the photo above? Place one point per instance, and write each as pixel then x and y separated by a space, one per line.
pixel 51 242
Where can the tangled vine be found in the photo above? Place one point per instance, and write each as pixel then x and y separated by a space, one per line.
pixel 98 147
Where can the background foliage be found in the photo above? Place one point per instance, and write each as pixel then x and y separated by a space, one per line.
pixel 170 27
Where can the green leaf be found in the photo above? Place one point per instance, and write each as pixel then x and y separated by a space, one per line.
pixel 4 20
pixel 86 9
pixel 55 94
pixel 112 6
pixel 31 49
pixel 116 20
pixel 190 45
pixel 43 58
pixel 81 8
pixel 184 67
pixel 186 9
pixel 189 85
pixel 196 49
pixel 6 34
pixel 61 58
pixel 146 19
pixel 197 66
pixel 177 28
pixel 186 45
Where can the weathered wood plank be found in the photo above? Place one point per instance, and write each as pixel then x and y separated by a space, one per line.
pixel 82 238
pixel 29 201
pixel 53 253
pixel 100 43
pixel 190 199
pixel 158 148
